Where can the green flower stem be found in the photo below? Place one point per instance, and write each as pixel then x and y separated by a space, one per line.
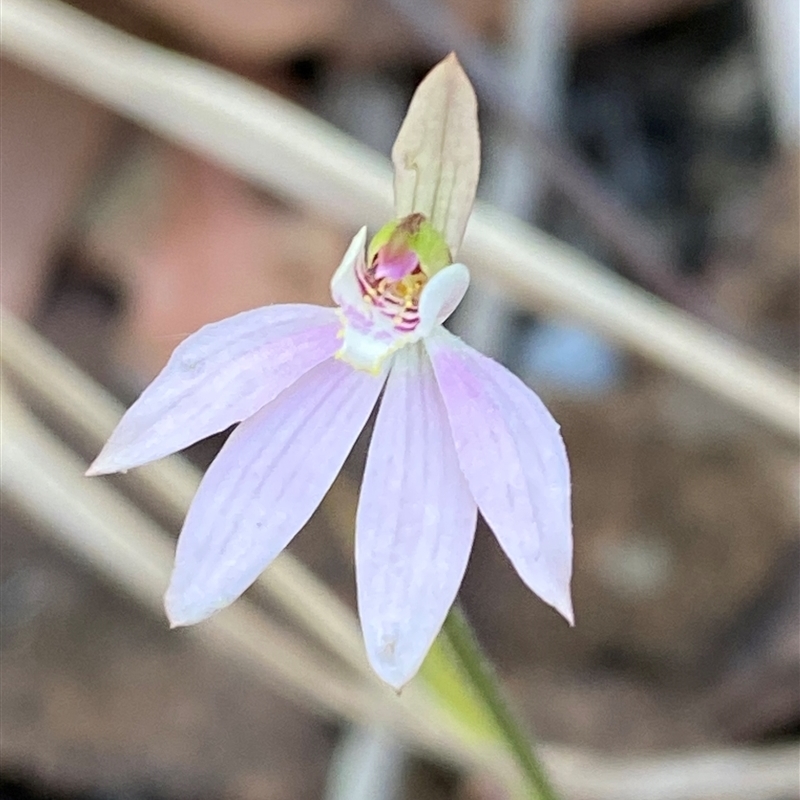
pixel 484 680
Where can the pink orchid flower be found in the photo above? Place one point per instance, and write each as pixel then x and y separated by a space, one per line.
pixel 455 432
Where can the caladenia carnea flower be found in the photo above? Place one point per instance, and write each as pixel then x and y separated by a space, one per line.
pixel 455 432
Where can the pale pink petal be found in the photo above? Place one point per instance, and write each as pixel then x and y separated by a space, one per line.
pixel 264 485
pixel 513 457
pixel 218 376
pixel 440 297
pixel 415 523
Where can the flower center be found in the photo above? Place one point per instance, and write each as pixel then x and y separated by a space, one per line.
pixel 401 257
pixel 393 282
pixel 379 296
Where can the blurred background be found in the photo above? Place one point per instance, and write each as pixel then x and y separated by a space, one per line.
pixel 659 137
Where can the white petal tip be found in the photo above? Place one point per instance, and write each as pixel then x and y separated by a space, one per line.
pixel 100 466
pixel 106 464
pixel 396 682
pixel 178 620
pixel 181 614
pixel 174 620
pixel 566 610
pixel 397 674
